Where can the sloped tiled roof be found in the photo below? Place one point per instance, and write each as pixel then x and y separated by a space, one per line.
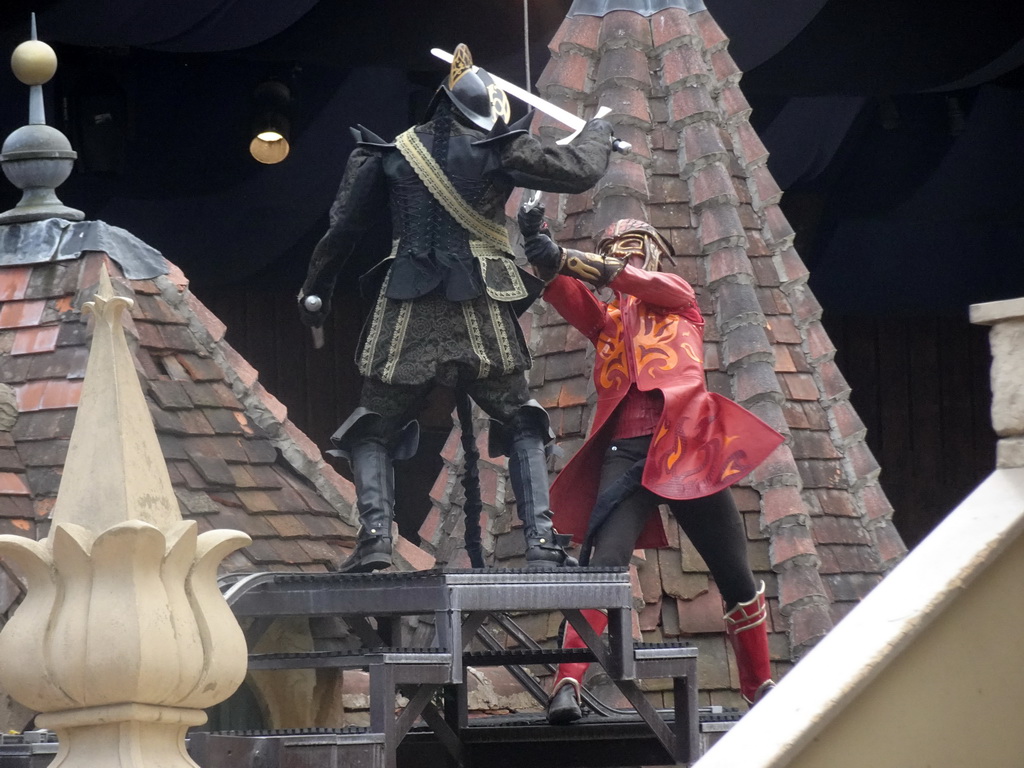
pixel 818 522
pixel 234 458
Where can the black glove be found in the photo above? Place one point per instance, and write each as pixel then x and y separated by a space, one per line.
pixel 543 253
pixel 531 221
pixel 541 250
pixel 600 125
pixel 313 318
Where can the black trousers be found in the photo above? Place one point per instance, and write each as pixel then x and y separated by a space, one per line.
pixel 501 397
pixel 712 523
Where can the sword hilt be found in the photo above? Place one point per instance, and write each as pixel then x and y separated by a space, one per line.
pixel 314 303
pixel 531 199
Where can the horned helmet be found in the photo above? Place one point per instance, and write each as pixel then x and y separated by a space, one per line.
pixel 631 237
pixel 472 92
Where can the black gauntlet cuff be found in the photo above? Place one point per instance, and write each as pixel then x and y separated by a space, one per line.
pixel 591 267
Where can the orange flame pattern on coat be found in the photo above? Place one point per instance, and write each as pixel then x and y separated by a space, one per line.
pixel 614 369
pixel 730 468
pixel 673 457
pixel 656 348
pixel 653 344
pixel 718 464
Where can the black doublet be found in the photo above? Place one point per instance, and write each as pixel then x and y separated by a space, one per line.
pixel 433 248
pixel 446 303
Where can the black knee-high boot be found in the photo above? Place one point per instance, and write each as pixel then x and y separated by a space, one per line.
pixel 374 479
pixel 528 473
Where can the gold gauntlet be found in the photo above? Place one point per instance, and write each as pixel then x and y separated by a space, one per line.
pixel 591 267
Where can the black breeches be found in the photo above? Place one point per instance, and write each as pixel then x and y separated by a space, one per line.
pixel 712 523
pixel 500 397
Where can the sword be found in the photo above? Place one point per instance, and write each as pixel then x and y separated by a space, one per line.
pixel 561 115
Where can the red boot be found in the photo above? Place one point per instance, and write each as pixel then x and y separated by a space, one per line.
pixel 747 628
pixel 564 703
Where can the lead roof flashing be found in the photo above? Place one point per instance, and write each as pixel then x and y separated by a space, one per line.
pixel 40 242
pixel 643 7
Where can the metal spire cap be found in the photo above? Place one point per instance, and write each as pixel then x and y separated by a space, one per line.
pixel 37 158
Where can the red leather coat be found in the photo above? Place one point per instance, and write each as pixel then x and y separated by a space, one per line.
pixel 652 336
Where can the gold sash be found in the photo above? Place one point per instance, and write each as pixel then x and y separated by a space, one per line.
pixel 490 232
pixel 502 277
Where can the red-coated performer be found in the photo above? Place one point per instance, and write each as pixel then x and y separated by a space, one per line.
pixel 658 436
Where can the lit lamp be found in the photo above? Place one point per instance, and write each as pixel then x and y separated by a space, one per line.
pixel 270 130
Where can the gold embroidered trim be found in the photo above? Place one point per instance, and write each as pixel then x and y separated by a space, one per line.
pixel 501 332
pixel 441 188
pixel 491 258
pixel 373 334
pixel 476 340
pixel 397 338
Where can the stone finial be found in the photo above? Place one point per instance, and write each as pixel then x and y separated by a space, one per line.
pixel 1007 342
pixel 123 638
pixel 37 158
pixel 115 469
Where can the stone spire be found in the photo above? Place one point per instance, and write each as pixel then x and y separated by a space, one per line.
pixel 115 469
pixel 123 623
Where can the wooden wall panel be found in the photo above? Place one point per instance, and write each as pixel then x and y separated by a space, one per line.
pixel 921 386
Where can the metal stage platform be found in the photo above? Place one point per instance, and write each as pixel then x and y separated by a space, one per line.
pixel 494 741
pixel 427 665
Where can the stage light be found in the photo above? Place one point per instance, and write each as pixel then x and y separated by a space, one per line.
pixel 270 143
pixel 271 129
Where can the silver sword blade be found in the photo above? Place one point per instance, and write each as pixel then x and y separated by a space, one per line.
pixel 563 116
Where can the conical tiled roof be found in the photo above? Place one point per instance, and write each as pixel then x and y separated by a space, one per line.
pixel 234 458
pixel 699 174
pixel 819 524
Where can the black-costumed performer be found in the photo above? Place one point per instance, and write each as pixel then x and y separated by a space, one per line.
pixel 447 308
pixel 658 437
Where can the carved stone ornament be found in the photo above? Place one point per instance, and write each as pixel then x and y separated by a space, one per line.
pixel 123 638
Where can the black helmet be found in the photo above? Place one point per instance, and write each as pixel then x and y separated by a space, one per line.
pixel 472 91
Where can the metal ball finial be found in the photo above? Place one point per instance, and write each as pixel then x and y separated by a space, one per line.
pixel 34 62
pixel 37 158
